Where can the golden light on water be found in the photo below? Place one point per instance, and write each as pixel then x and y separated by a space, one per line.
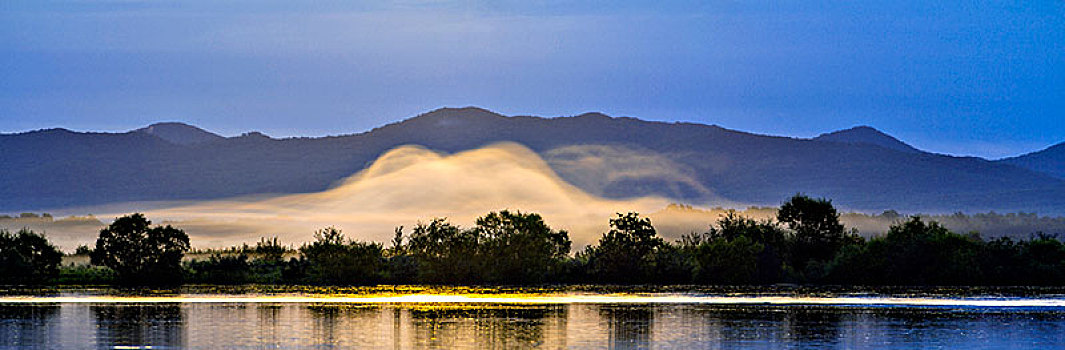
pixel 462 298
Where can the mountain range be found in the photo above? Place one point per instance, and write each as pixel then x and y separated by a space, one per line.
pixel 859 168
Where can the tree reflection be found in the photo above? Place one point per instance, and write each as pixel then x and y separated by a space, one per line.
pixel 505 326
pixel 139 325
pixel 28 325
pixel 332 322
pixel 629 325
pixel 815 325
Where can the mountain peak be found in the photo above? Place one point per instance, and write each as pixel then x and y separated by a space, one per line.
pixel 864 134
pixel 179 133
pixel 462 116
pixel 593 115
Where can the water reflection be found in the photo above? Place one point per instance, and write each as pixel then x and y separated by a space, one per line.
pixel 519 326
pixel 814 325
pixel 139 326
pixel 629 326
pixel 24 326
pixel 469 326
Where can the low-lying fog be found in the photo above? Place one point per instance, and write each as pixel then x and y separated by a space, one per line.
pixel 412 184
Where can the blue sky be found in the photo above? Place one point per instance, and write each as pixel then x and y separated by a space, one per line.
pixel 982 78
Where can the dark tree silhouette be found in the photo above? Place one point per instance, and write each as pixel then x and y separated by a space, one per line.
pixel 270 250
pixel 333 259
pixel 737 250
pixel 912 253
pixel 27 257
pixel 519 247
pixel 221 269
pixel 445 253
pixel 624 253
pixel 139 253
pixel 817 233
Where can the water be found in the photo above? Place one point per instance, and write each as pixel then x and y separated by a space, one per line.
pixel 106 320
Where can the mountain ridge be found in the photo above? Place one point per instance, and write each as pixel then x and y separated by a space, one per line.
pixel 1050 160
pixel 741 167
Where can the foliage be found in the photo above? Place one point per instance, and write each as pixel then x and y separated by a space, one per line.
pixel 670 264
pixel 140 254
pixel 1044 261
pixel 220 269
pixel 624 253
pixel 84 275
pixel 817 234
pixel 513 247
pixel 335 260
pixel 445 253
pixel 725 261
pixel 27 257
pixel 519 247
pixel 269 250
pixel 83 250
pixel 912 253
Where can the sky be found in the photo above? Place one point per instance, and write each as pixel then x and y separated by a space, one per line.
pixel 983 78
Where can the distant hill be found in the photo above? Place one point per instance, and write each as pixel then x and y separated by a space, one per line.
pixel 179 133
pixel 1050 160
pixel 55 168
pixel 869 136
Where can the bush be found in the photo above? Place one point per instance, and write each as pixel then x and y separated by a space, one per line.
pixel 1044 259
pixel 724 261
pixel 85 274
pixel 221 269
pixel 912 253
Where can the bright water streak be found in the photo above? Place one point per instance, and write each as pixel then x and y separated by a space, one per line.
pixel 983 302
pixel 543 321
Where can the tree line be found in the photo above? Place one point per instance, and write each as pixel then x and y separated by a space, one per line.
pixel 805 243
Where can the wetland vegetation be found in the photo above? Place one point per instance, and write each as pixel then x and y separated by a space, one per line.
pixel 804 244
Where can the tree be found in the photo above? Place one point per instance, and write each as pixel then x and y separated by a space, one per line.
pixel 445 253
pixel 27 257
pixel 269 250
pixel 724 261
pixel 139 253
pixel 624 252
pixel 738 250
pixel 333 259
pixel 1045 260
pixel 519 247
pixel 83 250
pixel 817 234
pixel 912 253
pixel 221 269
